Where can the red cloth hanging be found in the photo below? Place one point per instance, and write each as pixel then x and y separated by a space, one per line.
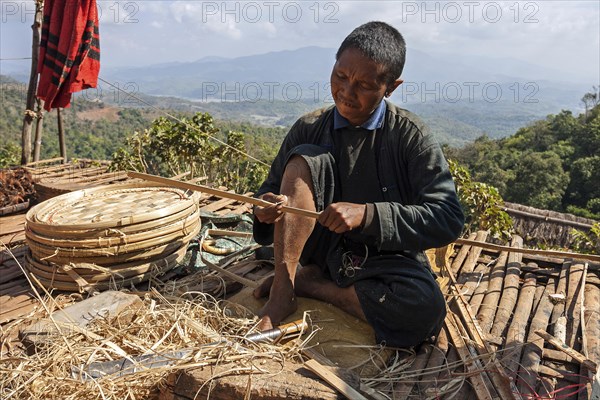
pixel 69 59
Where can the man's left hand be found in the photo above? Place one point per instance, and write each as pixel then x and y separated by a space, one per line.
pixel 343 217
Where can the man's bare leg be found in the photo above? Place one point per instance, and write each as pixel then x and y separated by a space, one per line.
pixel 310 282
pixel 291 234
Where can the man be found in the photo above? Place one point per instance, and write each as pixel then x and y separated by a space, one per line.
pixel 385 194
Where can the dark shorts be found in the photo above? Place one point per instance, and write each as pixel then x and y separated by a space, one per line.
pixel 398 295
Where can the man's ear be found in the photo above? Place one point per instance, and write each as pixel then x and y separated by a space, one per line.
pixel 392 87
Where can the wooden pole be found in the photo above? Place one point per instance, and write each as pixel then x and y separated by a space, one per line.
pixel 37 145
pixel 61 137
pixel 31 89
pixel 219 193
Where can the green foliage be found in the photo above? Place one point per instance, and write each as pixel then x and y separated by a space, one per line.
pixel 10 155
pixel 171 147
pixel 587 242
pixel 481 203
pixel 550 164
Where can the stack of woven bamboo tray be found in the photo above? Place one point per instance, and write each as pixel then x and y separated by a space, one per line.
pixel 110 236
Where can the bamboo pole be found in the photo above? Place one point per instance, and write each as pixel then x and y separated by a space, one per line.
pixel 515 337
pixel 488 308
pixel 532 354
pixel 61 136
pixel 573 305
pixel 220 193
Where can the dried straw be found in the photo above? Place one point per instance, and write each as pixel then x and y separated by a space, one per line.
pixel 163 324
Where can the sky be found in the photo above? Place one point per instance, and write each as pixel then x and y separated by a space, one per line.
pixel 561 35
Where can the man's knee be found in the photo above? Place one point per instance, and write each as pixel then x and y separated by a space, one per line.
pixel 297 170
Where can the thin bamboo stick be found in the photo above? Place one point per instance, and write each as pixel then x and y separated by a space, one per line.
pixel 220 193
pixel 591 257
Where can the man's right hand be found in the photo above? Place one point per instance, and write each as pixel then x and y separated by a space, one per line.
pixel 271 214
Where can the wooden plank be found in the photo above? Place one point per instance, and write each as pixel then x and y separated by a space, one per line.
pixel 334 380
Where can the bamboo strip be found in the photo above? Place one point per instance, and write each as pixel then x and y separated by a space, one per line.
pixel 460 344
pixel 575 289
pixel 334 380
pixel 480 291
pixel 532 352
pixel 568 350
pixel 436 360
pixel 565 254
pixel 402 390
pixel 221 193
pixel 515 337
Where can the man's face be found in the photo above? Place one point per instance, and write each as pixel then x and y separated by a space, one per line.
pixel 357 85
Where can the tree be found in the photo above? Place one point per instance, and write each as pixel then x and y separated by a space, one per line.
pixel 539 181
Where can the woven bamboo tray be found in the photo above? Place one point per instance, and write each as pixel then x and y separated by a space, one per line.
pixel 94 233
pixel 79 284
pixel 126 233
pixel 112 255
pixel 182 226
pixel 96 274
pixel 110 206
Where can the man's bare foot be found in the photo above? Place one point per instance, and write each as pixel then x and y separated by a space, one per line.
pixel 282 302
pixel 263 289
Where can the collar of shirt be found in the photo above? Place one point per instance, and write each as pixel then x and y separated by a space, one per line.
pixel 375 121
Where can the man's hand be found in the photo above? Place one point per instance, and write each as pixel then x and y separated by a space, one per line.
pixel 271 214
pixel 343 217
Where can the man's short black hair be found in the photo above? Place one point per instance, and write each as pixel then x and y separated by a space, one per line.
pixel 380 42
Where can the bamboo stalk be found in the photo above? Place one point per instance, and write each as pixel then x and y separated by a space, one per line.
pixel 403 390
pixel 515 337
pixel 462 254
pixel 490 302
pixel 532 353
pixel 472 257
pixel 220 193
pixel 574 292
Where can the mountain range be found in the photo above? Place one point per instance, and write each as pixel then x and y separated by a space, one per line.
pixel 461 97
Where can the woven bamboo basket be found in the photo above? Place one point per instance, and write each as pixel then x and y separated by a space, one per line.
pixel 112 234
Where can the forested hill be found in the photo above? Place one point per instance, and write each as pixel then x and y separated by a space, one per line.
pixel 552 164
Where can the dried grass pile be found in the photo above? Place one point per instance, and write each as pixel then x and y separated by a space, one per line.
pixel 212 329
pixel 109 236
